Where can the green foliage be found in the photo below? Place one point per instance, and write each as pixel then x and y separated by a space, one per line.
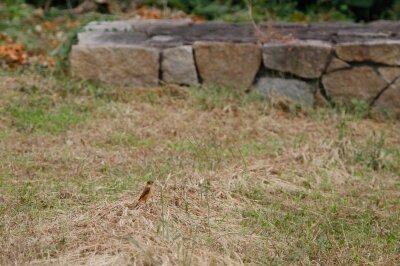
pixel 13 18
pixel 358 3
pixel 394 12
pixel 236 10
pixel 289 10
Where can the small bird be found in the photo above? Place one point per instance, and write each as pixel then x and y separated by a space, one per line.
pixel 147 193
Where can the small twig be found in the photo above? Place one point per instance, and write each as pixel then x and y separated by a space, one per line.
pixel 162 211
pixel 165 6
pixel 47 6
pixel 271 34
pixel 69 5
pixel 249 5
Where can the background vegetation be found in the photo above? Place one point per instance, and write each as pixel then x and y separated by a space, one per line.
pixel 292 10
pixel 49 26
pixel 287 10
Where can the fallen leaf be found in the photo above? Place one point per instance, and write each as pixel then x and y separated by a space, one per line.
pixel 13 54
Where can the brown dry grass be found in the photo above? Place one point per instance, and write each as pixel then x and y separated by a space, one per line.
pixel 237 182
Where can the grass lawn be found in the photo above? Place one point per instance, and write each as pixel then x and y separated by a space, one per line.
pixel 237 181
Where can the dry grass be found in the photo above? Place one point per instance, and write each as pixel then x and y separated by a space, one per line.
pixel 237 182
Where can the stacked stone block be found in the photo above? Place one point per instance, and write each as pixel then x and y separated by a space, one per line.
pixel 140 54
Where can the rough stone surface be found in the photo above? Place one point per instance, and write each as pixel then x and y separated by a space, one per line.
pixel 390 98
pixel 383 51
pixel 178 66
pixel 228 64
pixel 336 64
pixel 139 25
pixel 293 89
pixel 306 59
pixel 118 64
pixel 361 83
pixel 110 38
pixel 185 32
pixel 389 73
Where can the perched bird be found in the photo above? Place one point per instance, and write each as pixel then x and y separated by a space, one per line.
pixel 147 193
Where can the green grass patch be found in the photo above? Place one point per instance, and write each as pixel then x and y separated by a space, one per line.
pixel 126 139
pixel 53 193
pixel 40 115
pixel 210 97
pixel 308 234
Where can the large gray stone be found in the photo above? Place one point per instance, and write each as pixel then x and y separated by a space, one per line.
pixel 111 38
pixel 178 66
pixel 381 51
pixel 116 64
pixel 228 64
pixel 136 25
pixel 361 83
pixel 172 33
pixel 293 89
pixel 305 59
pixel 389 100
pixel 189 31
pixel 389 74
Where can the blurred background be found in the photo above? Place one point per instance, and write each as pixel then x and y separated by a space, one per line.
pixel 235 10
pixel 44 30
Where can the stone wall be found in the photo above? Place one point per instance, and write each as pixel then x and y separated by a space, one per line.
pixel 339 61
